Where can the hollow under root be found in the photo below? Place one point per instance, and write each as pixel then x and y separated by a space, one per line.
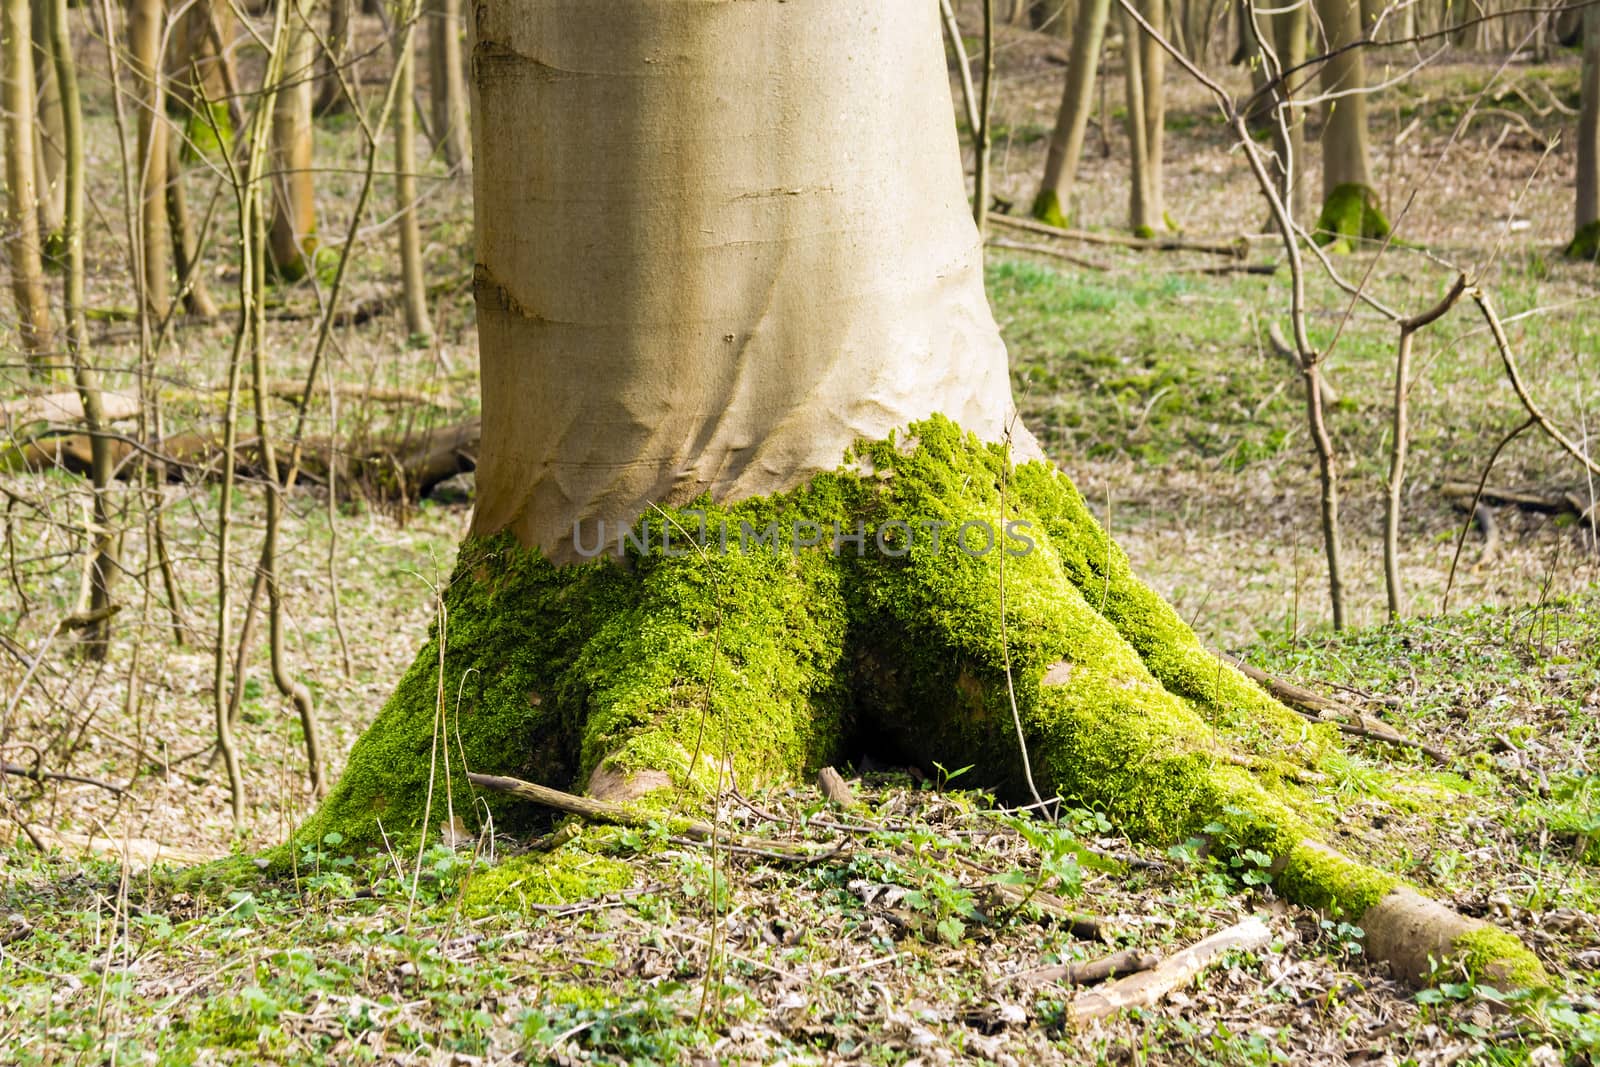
pixel 865 609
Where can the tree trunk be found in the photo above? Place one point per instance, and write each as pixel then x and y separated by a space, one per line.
pixel 333 63
pixel 146 25
pixel 447 90
pixel 292 240
pixel 1053 204
pixel 1351 211
pixel 415 285
pixel 712 308
pixel 185 254
pixel 103 565
pixel 22 220
pixel 50 161
pixel 1586 232
pixel 1148 66
pixel 1141 209
pixel 201 82
pixel 1052 16
pixel 1289 44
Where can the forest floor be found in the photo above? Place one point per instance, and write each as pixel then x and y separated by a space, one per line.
pixel 1154 385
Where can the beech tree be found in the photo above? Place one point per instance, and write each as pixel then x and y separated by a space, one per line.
pixel 292 236
pixel 1053 204
pixel 146 32
pixel 1351 209
pixel 752 490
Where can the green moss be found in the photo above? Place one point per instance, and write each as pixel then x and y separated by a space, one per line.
pixel 564 876
pixel 1495 957
pixel 207 132
pixel 1352 214
pixel 1047 208
pixel 1145 232
pixel 1321 878
pixel 1586 243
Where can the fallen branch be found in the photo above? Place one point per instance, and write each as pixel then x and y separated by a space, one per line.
pixel 1238 248
pixel 133 850
pixel 1145 989
pixel 65 407
pixel 1320 708
pixel 406 465
pixel 1542 503
pixel 1128 961
pixel 1045 250
pixel 1081 925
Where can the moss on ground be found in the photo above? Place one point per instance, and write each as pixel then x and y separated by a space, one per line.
pixel 566 875
pixel 1351 215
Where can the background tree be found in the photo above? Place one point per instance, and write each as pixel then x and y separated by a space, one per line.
pixel 1144 64
pixel 413 278
pixel 50 160
pixel 330 95
pixel 103 564
pixel 22 222
pixel 1053 203
pixel 447 90
pixel 292 236
pixel 1351 210
pixel 1586 237
pixel 146 35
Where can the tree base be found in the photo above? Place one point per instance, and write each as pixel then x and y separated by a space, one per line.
pixel 1047 209
pixel 1586 243
pixel 1352 215
pixel 860 612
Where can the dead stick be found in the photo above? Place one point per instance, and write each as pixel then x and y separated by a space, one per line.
pixel 605 811
pixel 1128 961
pixel 1325 709
pixel 1147 988
pixel 1236 249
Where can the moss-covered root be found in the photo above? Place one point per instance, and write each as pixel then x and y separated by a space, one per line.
pixel 723 657
pixel 1586 243
pixel 1420 939
pixel 1351 215
pixel 1123 711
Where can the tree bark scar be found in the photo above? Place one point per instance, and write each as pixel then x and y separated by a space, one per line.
pixel 488 292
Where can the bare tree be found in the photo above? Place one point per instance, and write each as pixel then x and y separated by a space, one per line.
pixel 1053 203
pixel 292 239
pixel 146 33
pixel 22 244
pixel 1351 211
pixel 447 87
pixel 418 322
pixel 50 159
